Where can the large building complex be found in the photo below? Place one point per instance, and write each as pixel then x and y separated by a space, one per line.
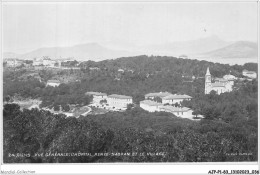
pixel 119 101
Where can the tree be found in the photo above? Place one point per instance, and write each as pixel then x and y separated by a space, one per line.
pixel 177 104
pixel 56 107
pixel 130 106
pixel 158 99
pixel 66 108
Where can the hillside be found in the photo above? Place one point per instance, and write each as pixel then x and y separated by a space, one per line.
pixel 188 47
pixel 89 51
pixel 240 49
pixel 10 55
pixel 111 50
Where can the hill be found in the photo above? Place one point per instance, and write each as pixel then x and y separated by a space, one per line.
pixel 239 49
pixel 10 55
pixel 188 47
pixel 89 51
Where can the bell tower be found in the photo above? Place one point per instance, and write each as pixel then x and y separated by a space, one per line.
pixel 207 82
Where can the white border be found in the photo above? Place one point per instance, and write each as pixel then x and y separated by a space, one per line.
pixel 122 168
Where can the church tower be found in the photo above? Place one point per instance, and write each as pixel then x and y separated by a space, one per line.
pixel 207 82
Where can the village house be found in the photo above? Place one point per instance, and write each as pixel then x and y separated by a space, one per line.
pixel 230 77
pixel 183 56
pixel 13 62
pixel 178 111
pixel 173 99
pixel 53 83
pixel 150 106
pixel 48 62
pixel 249 74
pixel 119 102
pixel 97 96
pixel 220 85
pixel 157 94
pixel 37 62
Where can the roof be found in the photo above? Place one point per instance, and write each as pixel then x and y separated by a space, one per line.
pixel 150 103
pixel 119 96
pixel 158 94
pixel 53 81
pixel 228 77
pixel 183 55
pixel 175 96
pixel 221 79
pixel 175 109
pixel 96 93
pixel 247 71
pixel 217 84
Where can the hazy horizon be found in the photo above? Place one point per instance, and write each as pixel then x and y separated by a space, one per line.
pixel 29 26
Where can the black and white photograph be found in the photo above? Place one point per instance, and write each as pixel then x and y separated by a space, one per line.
pixel 130 82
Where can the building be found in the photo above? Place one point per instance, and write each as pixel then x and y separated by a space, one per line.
pixel 179 112
pixel 121 70
pixel 53 83
pixel 230 77
pixel 220 85
pixel 37 62
pixel 119 101
pixel 173 99
pixel 183 56
pixel 150 106
pixel 13 62
pixel 249 74
pixel 97 96
pixel 157 94
pixel 48 62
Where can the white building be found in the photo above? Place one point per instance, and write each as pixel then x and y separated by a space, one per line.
pixel 230 77
pixel 183 56
pixel 173 99
pixel 179 112
pixel 48 62
pixel 249 74
pixel 150 106
pixel 119 101
pixel 13 62
pixel 53 83
pixel 97 96
pixel 220 85
pixel 157 94
pixel 37 62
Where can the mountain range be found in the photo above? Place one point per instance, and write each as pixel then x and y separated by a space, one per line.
pixel 208 47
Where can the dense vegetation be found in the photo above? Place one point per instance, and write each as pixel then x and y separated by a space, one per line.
pixel 141 75
pixel 229 131
pixel 174 139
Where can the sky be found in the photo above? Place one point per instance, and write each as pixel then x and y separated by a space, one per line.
pixel 29 26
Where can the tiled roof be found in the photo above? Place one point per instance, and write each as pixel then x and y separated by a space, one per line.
pixel 53 81
pixel 247 71
pixel 150 103
pixel 119 96
pixel 218 84
pixel 96 93
pixel 158 94
pixel 175 109
pixel 221 79
pixel 175 96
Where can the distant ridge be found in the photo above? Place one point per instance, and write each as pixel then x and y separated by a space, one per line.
pixel 89 51
pixel 210 48
pixel 239 49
